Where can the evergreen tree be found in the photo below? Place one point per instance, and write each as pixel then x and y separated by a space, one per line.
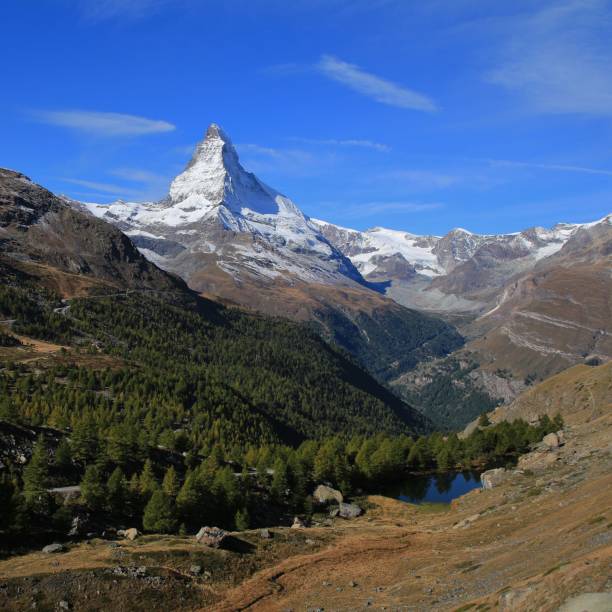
pixel 63 456
pixel 189 500
pixel 148 482
pixel 241 519
pixel 170 484
pixel 36 479
pixel 278 488
pixel 84 440
pixel 93 491
pixel 118 493
pixel 159 514
pixel 8 492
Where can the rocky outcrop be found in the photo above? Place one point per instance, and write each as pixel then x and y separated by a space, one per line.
pixel 492 478
pixel 40 229
pixel 349 511
pixel 129 534
pixel 211 536
pixel 553 440
pixel 325 495
pixel 298 523
pixel 54 548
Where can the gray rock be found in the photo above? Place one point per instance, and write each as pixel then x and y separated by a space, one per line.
pixel 515 599
pixel 324 495
pixel 76 526
pixel 593 602
pixel 298 523
pixel 492 478
pixel 54 548
pixel 130 534
pixel 211 536
pixel 349 511
pixel 265 534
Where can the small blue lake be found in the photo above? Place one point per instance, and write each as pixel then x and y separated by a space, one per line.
pixel 433 488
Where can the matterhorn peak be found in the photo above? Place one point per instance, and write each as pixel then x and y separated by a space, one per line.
pixel 215 131
pixel 204 180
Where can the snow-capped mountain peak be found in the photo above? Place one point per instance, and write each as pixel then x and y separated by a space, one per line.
pixel 215 206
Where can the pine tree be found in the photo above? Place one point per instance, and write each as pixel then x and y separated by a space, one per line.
pixel 119 448
pixel 63 456
pixel 84 440
pixel 278 488
pixel 148 482
pixel 36 479
pixel 118 493
pixel 160 514
pixel 188 500
pixel 8 492
pixel 170 484
pixel 241 519
pixel 93 491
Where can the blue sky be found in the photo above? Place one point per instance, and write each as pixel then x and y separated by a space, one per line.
pixel 421 116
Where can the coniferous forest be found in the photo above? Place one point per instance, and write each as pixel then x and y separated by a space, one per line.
pixel 171 412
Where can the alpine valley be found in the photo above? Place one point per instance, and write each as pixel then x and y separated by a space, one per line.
pixel 455 324
pixel 192 389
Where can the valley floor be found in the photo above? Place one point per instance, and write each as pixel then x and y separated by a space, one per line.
pixel 534 542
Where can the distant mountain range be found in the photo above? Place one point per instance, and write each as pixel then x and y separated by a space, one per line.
pixel 455 323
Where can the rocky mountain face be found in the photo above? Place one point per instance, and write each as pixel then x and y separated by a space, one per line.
pixel 458 272
pixel 531 304
pixel 231 237
pixel 70 252
pixel 557 314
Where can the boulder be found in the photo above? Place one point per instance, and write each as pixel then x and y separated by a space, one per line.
pixel 492 478
pixel 324 495
pixel 298 523
pixel 349 511
pixel 129 534
pixel 551 440
pixel 211 536
pixel 265 534
pixel 76 527
pixel 54 548
pixel 515 599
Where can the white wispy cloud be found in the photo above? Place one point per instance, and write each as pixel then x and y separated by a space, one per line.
pixel 373 86
pixel 137 175
pixel 350 142
pixel 108 188
pixel 552 167
pixel 102 124
pixel 558 58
